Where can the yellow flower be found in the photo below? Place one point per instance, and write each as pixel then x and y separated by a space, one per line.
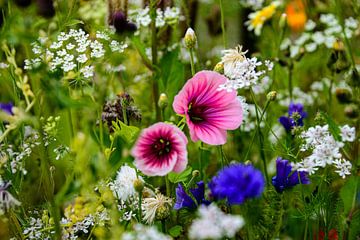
pixel 258 18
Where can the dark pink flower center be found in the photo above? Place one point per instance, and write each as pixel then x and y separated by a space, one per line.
pixel 161 147
pixel 196 113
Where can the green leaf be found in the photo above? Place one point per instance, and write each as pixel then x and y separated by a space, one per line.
pixel 333 127
pixel 180 177
pixel 127 133
pixel 349 192
pixel 73 22
pixel 175 231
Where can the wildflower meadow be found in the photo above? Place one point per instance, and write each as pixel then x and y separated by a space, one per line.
pixel 180 119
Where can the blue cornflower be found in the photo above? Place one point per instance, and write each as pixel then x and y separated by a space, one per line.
pixel 285 178
pixel 183 200
pixel 237 183
pixel 6 107
pixel 296 115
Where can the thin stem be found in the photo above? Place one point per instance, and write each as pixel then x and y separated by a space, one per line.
pixel 139 206
pixel 192 62
pixel 154 42
pixel 201 160
pixel 290 85
pixel 261 138
pixel 223 157
pixel 168 188
pixel 223 23
pixel 306 229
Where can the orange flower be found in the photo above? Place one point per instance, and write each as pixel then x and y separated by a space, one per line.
pixel 296 15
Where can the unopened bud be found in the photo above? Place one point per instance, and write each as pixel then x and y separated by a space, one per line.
pixel 338 45
pixel 190 38
pixel 343 95
pixel 163 101
pixel 271 96
pixel 195 173
pixel 352 111
pixel 219 67
pixel 162 212
pixel 138 185
pixel 354 78
pixel 282 20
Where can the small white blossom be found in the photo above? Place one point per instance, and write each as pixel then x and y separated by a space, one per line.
pixel 142 232
pixel 123 185
pixel 348 133
pixel 214 224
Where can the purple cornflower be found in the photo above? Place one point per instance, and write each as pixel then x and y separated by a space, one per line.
pixel 237 183
pixel 183 200
pixel 6 107
pixel 296 115
pixel 285 178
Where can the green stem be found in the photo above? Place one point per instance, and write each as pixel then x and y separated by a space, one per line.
pixel 223 157
pixel 223 23
pixel 154 42
pixel 290 68
pixel 261 138
pixel 306 229
pixel 139 206
pixel 192 62
pixel 168 188
pixel 201 160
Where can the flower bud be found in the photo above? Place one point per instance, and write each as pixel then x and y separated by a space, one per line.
pixel 195 173
pixel 162 212
pixel 190 38
pixel 163 101
pixel 343 95
pixel 354 78
pixel 352 111
pixel 271 96
pixel 138 185
pixel 282 20
pixel 121 24
pixel 219 67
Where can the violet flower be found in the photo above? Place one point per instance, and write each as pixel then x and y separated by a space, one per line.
pixel 286 178
pixel 183 200
pixel 237 183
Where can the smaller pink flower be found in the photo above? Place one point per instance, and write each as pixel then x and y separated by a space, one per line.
pixel 160 149
pixel 209 112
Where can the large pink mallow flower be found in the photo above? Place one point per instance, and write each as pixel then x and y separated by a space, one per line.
pixel 160 149
pixel 209 111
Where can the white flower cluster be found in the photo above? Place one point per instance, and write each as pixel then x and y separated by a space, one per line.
pixel 73 51
pixel 123 185
pixel 61 151
pixel 241 71
pixel 71 230
pixel 214 224
pixel 35 230
pixel 310 40
pixel 17 154
pixel 142 232
pixel 325 150
pixel 253 4
pixel 169 16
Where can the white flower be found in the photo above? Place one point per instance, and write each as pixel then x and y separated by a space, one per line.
pixel 343 167
pixel 310 47
pixel 348 133
pixel 82 58
pixel 142 232
pixel 87 71
pixel 240 70
pixel 214 224
pixel 152 205
pixel 123 185
pixel 310 25
pixel 7 200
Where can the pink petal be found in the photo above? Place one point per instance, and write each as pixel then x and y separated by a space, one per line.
pixel 210 134
pixel 156 170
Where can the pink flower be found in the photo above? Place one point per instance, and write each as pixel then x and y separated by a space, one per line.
pixel 160 149
pixel 209 112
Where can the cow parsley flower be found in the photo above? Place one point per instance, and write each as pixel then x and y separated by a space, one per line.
pixel 348 133
pixel 325 150
pixel 212 223
pixel 241 71
pixel 123 185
